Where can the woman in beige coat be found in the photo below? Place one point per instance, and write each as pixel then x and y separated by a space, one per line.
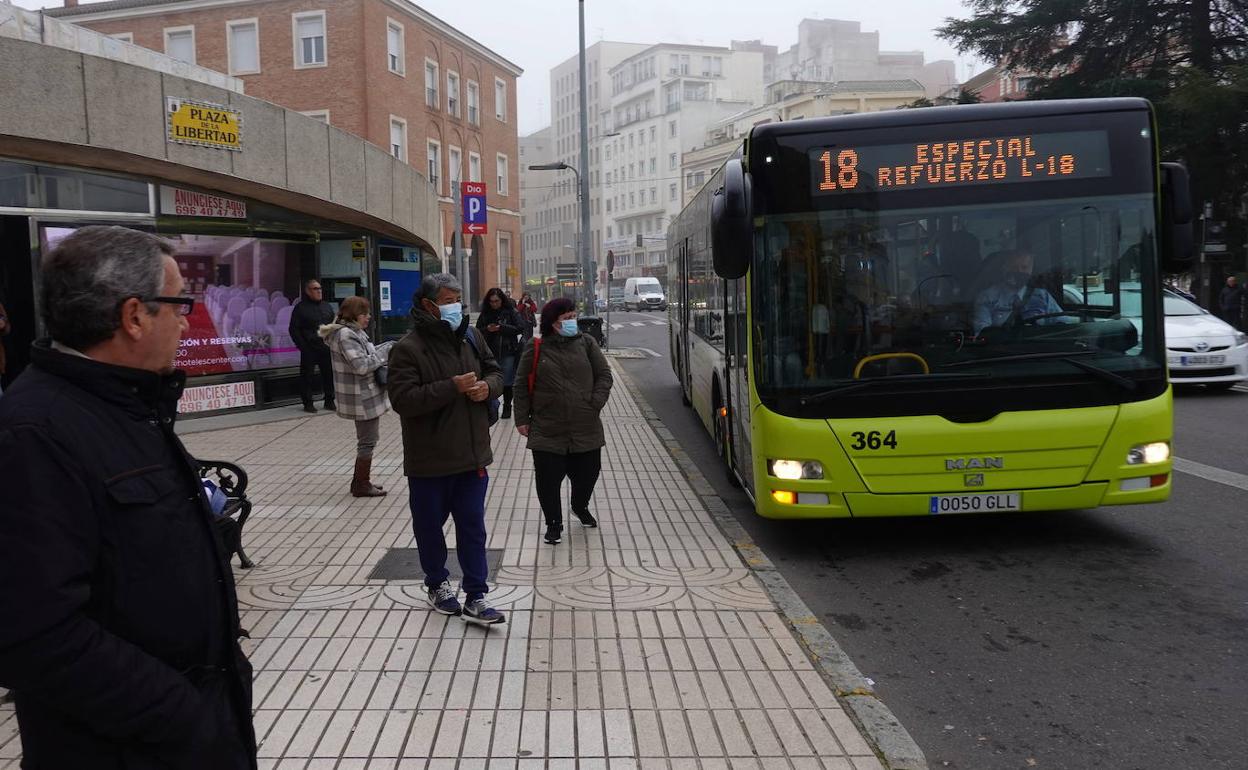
pixel 360 397
pixel 563 383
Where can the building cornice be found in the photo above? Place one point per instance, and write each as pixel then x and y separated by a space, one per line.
pixel 84 14
pixel 420 14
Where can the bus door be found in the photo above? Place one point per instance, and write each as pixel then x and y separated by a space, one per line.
pixel 737 339
pixel 682 335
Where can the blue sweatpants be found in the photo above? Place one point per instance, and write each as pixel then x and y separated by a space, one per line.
pixel 462 497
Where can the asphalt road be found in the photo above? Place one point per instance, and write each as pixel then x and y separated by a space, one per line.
pixel 1109 638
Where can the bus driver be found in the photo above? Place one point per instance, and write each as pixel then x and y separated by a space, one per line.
pixel 1012 294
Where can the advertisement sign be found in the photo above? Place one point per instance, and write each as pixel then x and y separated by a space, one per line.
pixel 188 203
pixel 384 287
pixel 209 398
pixel 244 290
pixel 203 124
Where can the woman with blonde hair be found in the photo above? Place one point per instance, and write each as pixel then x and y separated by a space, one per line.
pixel 360 389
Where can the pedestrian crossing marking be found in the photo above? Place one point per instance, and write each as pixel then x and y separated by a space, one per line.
pixel 616 327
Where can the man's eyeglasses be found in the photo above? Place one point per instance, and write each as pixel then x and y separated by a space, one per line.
pixel 181 305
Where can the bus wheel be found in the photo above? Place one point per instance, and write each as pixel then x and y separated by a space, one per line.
pixel 721 438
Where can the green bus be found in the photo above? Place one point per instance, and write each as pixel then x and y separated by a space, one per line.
pixel 920 311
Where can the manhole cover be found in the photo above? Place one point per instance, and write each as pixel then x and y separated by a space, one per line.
pixel 404 564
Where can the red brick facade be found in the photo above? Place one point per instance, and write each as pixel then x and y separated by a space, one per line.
pixel 362 94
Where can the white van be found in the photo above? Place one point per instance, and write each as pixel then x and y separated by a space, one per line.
pixel 644 293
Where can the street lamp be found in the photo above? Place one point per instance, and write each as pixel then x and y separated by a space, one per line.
pixel 587 269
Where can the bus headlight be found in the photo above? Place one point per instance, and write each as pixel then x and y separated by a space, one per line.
pixel 795 469
pixel 1142 454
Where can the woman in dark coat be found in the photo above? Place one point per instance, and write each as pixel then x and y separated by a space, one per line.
pixel 502 327
pixel 560 416
pixel 527 309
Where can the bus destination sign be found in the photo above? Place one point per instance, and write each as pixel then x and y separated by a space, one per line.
pixel 941 162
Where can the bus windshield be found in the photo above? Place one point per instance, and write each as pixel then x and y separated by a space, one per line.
pixel 1011 291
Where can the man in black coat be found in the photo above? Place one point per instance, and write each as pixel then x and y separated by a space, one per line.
pixel 305 320
pixel 1230 301
pixel 118 617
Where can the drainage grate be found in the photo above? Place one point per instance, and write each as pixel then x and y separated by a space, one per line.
pixel 404 564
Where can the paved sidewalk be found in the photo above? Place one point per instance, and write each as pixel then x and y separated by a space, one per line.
pixel 644 644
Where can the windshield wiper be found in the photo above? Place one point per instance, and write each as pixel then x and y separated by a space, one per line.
pixel 871 382
pixel 1070 356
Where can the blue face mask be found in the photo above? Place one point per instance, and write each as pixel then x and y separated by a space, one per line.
pixel 452 314
pixel 568 327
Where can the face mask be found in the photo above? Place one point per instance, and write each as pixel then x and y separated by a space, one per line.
pixel 568 327
pixel 452 314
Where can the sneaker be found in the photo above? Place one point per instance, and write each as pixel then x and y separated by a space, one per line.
pixel 442 599
pixel 586 518
pixel 477 611
pixel 554 534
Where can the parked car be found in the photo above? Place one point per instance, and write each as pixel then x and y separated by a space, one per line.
pixel 1201 349
pixel 616 299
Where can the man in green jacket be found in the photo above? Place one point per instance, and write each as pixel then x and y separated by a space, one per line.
pixel 439 384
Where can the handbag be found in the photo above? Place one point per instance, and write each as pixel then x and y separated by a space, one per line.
pixel 381 374
pixel 493 404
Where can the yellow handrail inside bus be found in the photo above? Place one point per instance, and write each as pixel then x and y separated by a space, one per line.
pixel 883 356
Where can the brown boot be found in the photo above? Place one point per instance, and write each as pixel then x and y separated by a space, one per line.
pixel 360 484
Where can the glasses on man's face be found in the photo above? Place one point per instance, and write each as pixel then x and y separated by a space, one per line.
pixel 314 288
pixel 181 305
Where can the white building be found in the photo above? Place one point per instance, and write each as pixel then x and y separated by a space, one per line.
pixel 835 50
pixel 545 239
pixel 791 100
pixel 662 100
pixel 557 209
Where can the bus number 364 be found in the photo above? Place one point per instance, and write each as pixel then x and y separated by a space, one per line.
pixel 874 440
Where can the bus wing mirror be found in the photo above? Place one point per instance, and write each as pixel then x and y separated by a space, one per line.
pixel 1178 241
pixel 732 236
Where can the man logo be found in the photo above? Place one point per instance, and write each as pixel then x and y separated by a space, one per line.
pixel 973 480
pixel 973 463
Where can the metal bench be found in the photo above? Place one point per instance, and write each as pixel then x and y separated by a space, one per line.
pixel 232 481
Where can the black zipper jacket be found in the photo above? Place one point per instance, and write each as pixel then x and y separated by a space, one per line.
pixel 120 623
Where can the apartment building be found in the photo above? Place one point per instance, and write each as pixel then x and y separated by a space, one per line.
pixel 837 50
pixel 560 207
pixel 385 70
pixel 662 101
pixel 791 100
pixel 548 239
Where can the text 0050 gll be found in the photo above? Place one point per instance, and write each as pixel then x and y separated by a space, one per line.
pixel 1000 501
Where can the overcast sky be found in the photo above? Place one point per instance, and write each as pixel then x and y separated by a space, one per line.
pixel 538 34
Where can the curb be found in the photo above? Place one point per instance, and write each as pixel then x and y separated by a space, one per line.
pixel 874 719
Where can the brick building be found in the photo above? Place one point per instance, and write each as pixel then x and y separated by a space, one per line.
pixel 385 70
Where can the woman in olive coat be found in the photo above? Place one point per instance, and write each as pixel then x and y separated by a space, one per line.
pixel 564 382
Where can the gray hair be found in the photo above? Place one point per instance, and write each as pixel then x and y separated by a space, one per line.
pixel 433 284
pixel 90 274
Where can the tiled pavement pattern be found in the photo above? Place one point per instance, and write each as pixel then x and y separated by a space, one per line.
pixel 644 644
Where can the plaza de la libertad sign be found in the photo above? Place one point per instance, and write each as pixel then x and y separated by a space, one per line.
pixel 203 124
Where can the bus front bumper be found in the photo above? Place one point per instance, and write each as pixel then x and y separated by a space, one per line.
pixel 866 504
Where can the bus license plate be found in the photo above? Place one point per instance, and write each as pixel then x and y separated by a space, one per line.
pixel 1002 501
